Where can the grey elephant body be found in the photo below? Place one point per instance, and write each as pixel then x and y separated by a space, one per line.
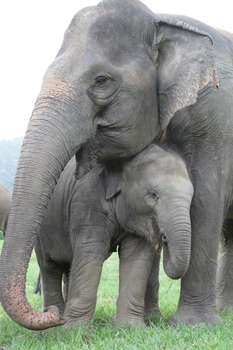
pixel 224 288
pixel 5 203
pixel 203 134
pixel 122 76
pixel 115 205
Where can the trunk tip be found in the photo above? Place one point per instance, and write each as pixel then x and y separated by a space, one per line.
pixel 57 320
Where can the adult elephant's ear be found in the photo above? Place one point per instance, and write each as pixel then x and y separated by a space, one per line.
pixel 186 64
pixel 113 179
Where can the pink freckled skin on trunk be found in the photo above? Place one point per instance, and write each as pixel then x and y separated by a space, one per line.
pixel 25 314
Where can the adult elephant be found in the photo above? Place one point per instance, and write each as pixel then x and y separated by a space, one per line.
pixel 5 204
pixel 122 75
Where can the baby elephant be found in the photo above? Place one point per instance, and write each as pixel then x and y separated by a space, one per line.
pixel 141 204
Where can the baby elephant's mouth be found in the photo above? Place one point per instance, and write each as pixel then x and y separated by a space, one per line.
pixel 156 238
pixel 162 240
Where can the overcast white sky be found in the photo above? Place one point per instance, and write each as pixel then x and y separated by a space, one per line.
pixel 32 32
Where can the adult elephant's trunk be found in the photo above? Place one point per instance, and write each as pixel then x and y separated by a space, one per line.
pixel 54 134
pixel 176 238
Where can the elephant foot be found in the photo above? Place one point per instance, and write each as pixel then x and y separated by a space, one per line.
pixel 153 313
pixel 193 316
pixel 77 316
pixel 133 323
pixel 60 310
pixel 224 304
pixel 74 324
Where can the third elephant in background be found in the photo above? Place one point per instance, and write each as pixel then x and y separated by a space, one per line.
pixel 5 204
pixel 139 205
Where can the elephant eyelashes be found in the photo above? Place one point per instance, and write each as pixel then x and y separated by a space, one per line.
pixel 100 80
pixel 153 195
pixel 103 88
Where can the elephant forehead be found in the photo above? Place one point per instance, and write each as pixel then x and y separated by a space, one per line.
pixel 162 163
pixel 166 176
pixel 113 30
pixel 114 38
pixel 110 29
pixel 168 166
pixel 160 179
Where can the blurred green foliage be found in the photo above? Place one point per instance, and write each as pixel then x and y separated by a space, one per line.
pixel 9 155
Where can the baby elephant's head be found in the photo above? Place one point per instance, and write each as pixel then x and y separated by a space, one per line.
pixel 153 194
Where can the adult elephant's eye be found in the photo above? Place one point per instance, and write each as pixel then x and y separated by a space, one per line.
pixel 101 80
pixel 103 88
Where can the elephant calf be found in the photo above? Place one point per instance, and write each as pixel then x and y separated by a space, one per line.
pixel 141 205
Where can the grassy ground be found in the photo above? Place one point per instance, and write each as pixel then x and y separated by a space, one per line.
pixel 103 335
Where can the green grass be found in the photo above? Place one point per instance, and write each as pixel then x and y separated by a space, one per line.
pixel 102 335
pixel 1 236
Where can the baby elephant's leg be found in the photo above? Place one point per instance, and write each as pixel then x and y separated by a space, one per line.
pixel 89 256
pixel 136 260
pixel 52 288
pixel 51 276
pixel 152 290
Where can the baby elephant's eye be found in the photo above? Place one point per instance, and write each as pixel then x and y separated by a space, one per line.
pixel 153 195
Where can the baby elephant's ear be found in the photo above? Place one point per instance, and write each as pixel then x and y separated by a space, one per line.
pixel 113 174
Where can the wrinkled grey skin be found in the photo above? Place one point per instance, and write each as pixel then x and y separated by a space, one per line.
pixel 121 77
pixel 225 270
pixel 140 205
pixel 5 204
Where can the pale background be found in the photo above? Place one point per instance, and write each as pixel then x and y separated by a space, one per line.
pixel 32 32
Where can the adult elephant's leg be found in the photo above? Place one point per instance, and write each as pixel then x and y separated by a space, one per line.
pixel 224 290
pixel 136 260
pixel 152 290
pixel 198 287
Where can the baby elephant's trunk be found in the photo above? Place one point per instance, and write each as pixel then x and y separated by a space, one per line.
pixel 177 244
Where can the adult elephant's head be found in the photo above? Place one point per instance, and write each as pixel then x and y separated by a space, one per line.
pixel 119 77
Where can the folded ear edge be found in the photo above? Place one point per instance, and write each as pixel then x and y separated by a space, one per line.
pixel 113 177
pixel 181 77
